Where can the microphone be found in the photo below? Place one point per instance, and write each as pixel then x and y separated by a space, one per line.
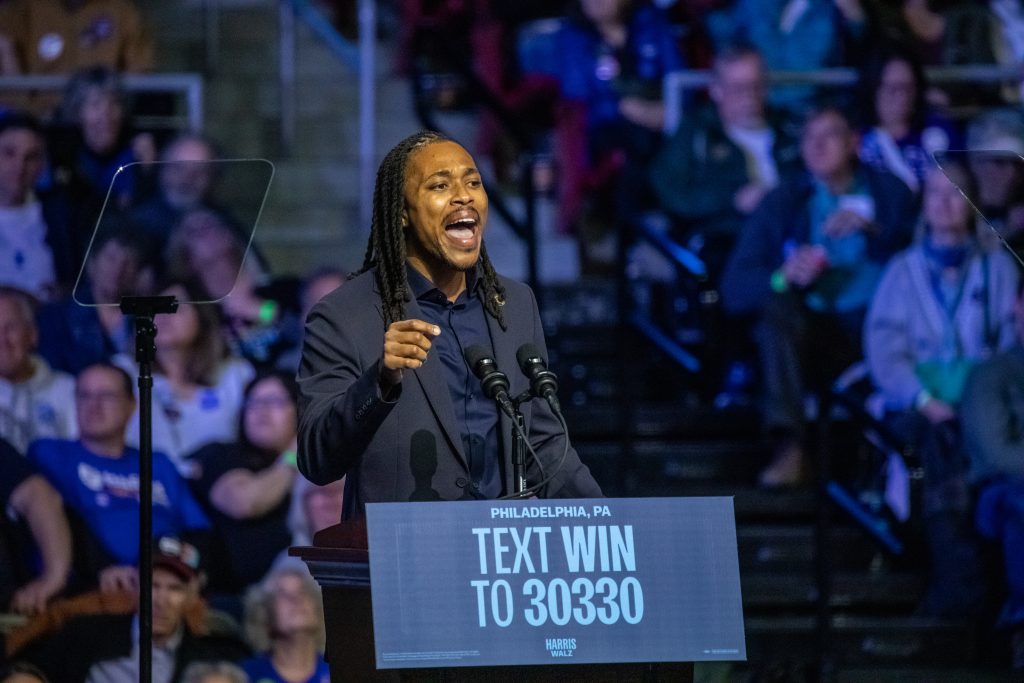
pixel 494 381
pixel 543 382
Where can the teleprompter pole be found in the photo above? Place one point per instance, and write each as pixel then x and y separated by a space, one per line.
pixel 144 309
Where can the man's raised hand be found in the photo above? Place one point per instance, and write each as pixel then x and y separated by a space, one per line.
pixel 406 344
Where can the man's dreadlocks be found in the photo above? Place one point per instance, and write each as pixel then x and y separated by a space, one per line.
pixel 386 248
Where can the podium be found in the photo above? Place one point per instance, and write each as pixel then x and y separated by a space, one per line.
pixel 339 561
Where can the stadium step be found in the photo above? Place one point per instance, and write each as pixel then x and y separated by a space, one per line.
pixel 896 645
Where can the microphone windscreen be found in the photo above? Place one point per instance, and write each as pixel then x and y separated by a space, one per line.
pixel 474 354
pixel 526 353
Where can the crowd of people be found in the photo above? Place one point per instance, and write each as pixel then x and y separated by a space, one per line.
pixel 92 210
pixel 819 212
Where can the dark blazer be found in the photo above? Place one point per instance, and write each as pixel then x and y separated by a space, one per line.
pixel 409 448
pixel 699 169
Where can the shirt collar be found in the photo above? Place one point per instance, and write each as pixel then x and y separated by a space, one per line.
pixel 423 288
pixel 170 646
pixel 858 185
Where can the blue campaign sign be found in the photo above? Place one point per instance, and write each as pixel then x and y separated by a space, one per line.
pixel 490 583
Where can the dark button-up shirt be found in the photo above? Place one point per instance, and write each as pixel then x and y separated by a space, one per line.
pixel 463 323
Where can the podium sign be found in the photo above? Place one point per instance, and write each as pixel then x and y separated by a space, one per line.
pixel 488 583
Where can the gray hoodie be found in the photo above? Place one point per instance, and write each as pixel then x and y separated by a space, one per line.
pixel 906 324
pixel 42 406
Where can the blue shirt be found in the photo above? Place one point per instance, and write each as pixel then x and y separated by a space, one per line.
pixel 260 670
pixel 104 492
pixel 852 276
pixel 463 324
pixel 593 72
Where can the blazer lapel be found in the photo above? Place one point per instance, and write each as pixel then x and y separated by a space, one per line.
pixel 432 381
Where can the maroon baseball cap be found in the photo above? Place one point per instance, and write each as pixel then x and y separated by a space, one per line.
pixel 177 556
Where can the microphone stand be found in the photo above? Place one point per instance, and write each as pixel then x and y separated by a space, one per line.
pixel 144 308
pixel 518 444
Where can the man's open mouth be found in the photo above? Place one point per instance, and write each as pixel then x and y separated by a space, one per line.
pixel 462 225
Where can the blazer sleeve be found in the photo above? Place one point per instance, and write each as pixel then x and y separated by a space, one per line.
pixel 549 441
pixel 340 402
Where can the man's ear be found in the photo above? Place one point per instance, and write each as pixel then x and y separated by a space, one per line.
pixel 855 141
pixel 196 585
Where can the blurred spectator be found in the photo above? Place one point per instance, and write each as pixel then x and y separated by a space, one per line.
pixel 941 307
pixel 26 497
pixel 439 33
pixel 197 385
pixel 956 32
pixel 245 486
pixel 96 107
pixel 317 285
pixel 62 36
pixel 992 410
pixel 85 328
pixel 22 672
pixel 314 508
pixel 35 401
pixel 35 250
pixel 951 32
pixel 476 42
pixel 792 35
pixel 995 142
pixel 88 147
pixel 95 637
pixel 901 134
pixel 1008 44
pixel 185 178
pixel 722 160
pixel 98 477
pixel 690 18
pixel 284 622
pixel 614 55
pixel 205 249
pixel 214 672
pixel 807 263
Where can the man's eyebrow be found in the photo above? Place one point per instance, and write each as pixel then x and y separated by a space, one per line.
pixel 447 173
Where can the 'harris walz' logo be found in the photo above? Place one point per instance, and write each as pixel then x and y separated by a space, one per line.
pixel 560 647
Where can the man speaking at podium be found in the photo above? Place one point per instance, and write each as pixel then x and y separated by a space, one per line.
pixel 387 395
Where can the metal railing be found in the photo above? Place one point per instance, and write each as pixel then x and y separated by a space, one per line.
pixel 360 57
pixel 684 263
pixel 187 85
pixel 677 83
